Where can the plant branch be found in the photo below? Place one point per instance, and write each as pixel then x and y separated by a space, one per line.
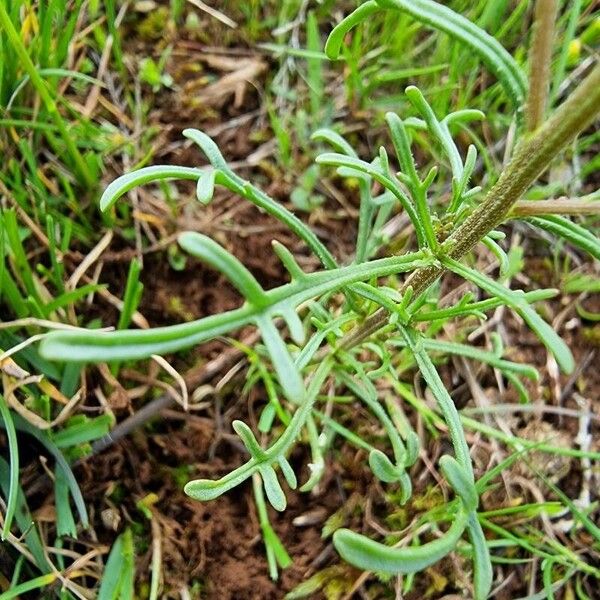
pixel 531 158
pixel 565 206
pixel 540 58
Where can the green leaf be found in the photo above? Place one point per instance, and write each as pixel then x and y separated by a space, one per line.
pixel 127 182
pixel 37 583
pixel 461 482
pixel 205 188
pixel 442 397
pixel 441 346
pixel 71 297
pixel 22 425
pixel 117 579
pixel 516 300
pixel 248 439
pixel 90 346
pixel 571 232
pixel 132 295
pixel 311 586
pixel 334 139
pixel 438 129
pixel 226 177
pixel 356 166
pixel 288 473
pixel 273 490
pixel 28 528
pixel 382 467
pixel 213 254
pixel 206 489
pixel 491 52
pixel 82 431
pixel 442 18
pixel 369 555
pixel 288 374
pixel 13 479
pixel 65 522
pixel 483 573
pixel 337 35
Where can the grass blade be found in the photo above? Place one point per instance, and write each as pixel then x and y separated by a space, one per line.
pixel 13 480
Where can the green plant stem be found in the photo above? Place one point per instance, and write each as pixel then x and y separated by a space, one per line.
pixel 129 344
pixel 40 85
pixel 208 489
pixel 531 158
pixel 540 58
pixel 567 206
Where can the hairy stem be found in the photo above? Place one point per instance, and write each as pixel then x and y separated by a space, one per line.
pixel 565 206
pixel 540 58
pixel 531 158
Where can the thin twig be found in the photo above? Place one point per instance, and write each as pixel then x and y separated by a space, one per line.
pixel 566 206
pixel 213 12
pixel 540 58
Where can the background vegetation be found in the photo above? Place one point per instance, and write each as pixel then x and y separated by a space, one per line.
pixel 94 458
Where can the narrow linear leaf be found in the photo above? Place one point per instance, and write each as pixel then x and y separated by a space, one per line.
pixel 483 573
pixel 24 520
pixel 127 182
pixel 288 473
pixel 437 129
pixel 69 298
pixel 413 445
pixel 369 555
pixel 22 425
pixel 37 583
pixel 442 18
pixel 13 479
pixel 433 345
pixel 295 326
pixel 288 374
pixel 206 489
pixel 205 188
pixel 86 431
pixel 382 467
pixel 492 53
pixel 65 523
pixel 443 399
pixel 571 232
pixel 91 346
pixel 288 261
pixel 213 254
pixel 460 481
pixel 273 489
pixel 115 579
pixel 334 139
pixel 517 302
pixel 359 166
pixel 336 37
pixel 247 437
pixel 225 176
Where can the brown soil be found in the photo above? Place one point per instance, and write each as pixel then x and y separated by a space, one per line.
pixel 216 544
